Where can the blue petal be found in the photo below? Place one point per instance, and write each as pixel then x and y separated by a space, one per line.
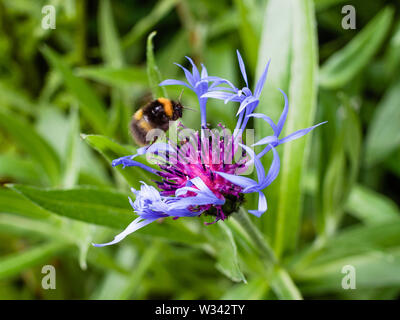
pixel 261 81
pixel 198 200
pixel 195 71
pixel 218 81
pixel 245 103
pixel 215 88
pixel 283 116
pixel 273 170
pixel 265 118
pixel 299 133
pixel 218 95
pixel 257 163
pixel 240 181
pixel 267 140
pixel 132 227
pixel 233 97
pixel 204 73
pixel 188 75
pixel 128 162
pixel 262 205
pixel 242 67
pixel 172 82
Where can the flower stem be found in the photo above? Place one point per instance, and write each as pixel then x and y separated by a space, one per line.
pixel 242 217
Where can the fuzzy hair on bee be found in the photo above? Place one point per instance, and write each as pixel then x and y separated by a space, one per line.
pixel 154 115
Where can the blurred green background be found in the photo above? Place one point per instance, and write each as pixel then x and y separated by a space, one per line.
pixel 66 97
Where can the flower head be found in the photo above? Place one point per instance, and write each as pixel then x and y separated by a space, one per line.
pixel 202 173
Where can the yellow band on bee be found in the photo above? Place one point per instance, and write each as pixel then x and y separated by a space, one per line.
pixel 167 106
pixel 145 125
pixel 138 114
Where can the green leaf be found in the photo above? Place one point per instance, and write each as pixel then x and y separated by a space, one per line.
pixel 247 32
pixel 134 280
pixel 276 45
pixel 302 99
pixel 71 169
pixel 52 124
pixel 117 77
pixel 108 36
pixel 338 160
pixel 363 203
pixel 283 285
pixel 111 285
pixel 173 52
pixel 153 73
pixel 15 263
pixel 358 239
pixel 19 169
pixel 374 269
pixel 324 4
pixel 111 150
pixel 91 105
pixel 102 207
pixel 225 251
pixel 342 66
pixel 161 9
pixel 50 227
pixel 255 289
pixel 384 131
pixel 15 98
pixel 30 141
pixel 371 207
pixel 97 206
pixel 103 260
pixel 13 202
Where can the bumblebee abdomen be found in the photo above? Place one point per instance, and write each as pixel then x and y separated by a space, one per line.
pixel 139 130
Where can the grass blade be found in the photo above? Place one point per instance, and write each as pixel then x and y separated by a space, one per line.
pixel 153 73
pixel 108 36
pixel 346 63
pixel 91 105
pixel 111 150
pixel 148 22
pixel 383 136
pixel 71 169
pixel 30 141
pixel 302 95
pixel 15 263
pixel 116 77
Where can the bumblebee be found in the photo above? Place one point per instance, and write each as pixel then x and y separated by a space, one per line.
pixel 154 115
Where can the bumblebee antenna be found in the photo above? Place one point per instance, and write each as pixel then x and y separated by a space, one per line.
pixel 189 109
pixel 180 96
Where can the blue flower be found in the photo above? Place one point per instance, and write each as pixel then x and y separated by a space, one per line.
pixel 192 185
pixel 196 82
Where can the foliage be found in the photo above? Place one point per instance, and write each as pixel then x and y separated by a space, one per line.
pixel 66 99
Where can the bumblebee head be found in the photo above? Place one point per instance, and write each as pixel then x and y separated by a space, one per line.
pixel 177 110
